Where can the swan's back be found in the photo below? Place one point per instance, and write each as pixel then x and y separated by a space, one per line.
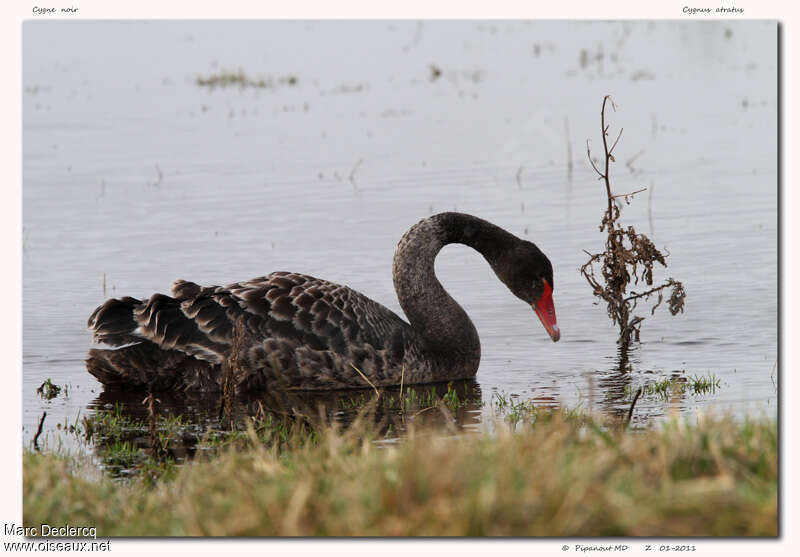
pixel 291 331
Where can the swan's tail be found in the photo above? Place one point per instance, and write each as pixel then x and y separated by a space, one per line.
pixel 113 322
pixel 145 365
pixel 164 321
pixel 157 346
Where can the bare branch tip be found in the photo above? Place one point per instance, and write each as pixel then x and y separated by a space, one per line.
pixel 615 142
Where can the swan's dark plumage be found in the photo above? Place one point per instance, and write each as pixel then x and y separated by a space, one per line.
pixel 293 331
pixel 303 333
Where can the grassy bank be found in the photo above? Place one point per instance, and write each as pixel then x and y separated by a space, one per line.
pixel 562 476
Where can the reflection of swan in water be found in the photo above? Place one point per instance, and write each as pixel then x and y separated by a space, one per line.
pixel 292 331
pixel 201 412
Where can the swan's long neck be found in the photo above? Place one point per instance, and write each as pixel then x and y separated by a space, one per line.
pixel 445 327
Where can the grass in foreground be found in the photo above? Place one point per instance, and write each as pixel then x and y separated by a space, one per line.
pixel 560 476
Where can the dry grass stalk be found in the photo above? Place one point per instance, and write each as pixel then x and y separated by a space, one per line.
pixel 628 256
pixel 365 378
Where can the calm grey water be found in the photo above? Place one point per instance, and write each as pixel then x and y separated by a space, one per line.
pixel 134 176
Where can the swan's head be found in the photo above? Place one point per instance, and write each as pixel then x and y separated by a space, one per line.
pixel 529 275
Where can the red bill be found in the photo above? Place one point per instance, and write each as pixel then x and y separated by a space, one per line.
pixel 547 312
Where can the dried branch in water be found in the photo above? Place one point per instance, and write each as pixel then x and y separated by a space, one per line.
pixel 39 431
pixel 629 257
pixel 633 404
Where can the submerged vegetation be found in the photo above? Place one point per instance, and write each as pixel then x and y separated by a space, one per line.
pixel 560 474
pixel 678 385
pixel 129 447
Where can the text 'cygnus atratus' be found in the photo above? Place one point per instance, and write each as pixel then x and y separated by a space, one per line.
pixel 293 331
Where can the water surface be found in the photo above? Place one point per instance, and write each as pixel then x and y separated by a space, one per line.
pixel 134 175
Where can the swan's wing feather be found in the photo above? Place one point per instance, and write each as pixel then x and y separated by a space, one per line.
pixel 162 320
pixel 313 312
pixel 301 331
pixel 310 332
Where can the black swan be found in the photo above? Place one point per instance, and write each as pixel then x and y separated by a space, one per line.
pixel 293 331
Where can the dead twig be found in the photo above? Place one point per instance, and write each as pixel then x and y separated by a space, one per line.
pixel 627 195
pixel 591 161
pixel 423 410
pixel 39 431
pixel 629 257
pixel 615 144
pixel 630 410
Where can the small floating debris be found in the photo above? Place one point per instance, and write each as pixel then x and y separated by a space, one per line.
pixel 225 78
pixel 642 75
pixel 48 390
pixel 350 88
pixel 474 76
